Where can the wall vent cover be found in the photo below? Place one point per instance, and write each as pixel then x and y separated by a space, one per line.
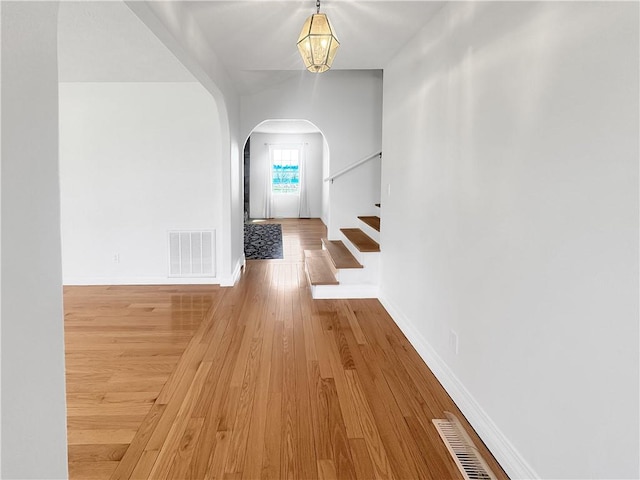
pixel 192 254
pixel 461 448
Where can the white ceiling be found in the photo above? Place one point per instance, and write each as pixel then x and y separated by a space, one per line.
pixel 107 42
pixel 250 35
pixel 254 39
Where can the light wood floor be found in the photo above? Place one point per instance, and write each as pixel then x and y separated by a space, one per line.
pixel 254 381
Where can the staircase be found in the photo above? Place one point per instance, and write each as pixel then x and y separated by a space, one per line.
pixel 347 267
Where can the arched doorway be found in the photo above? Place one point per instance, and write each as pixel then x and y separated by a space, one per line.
pixel 285 162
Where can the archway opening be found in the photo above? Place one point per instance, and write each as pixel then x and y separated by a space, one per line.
pixel 285 162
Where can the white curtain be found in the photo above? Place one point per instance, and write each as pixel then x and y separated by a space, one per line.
pixel 267 203
pixel 303 205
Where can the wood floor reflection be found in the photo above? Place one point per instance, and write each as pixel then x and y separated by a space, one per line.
pixel 254 381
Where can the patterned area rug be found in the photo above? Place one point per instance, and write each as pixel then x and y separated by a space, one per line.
pixel 262 241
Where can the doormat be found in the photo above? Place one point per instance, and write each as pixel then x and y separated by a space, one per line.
pixel 262 241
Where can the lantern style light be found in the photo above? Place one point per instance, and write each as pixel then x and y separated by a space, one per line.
pixel 317 42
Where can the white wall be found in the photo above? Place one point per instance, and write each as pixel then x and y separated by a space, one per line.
pixel 511 129
pixel 326 205
pixel 260 163
pixel 33 391
pixel 136 160
pixel 174 25
pixel 0 239
pixel 346 106
pixel 355 193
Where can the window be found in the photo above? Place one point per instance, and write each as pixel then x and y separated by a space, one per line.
pixel 285 170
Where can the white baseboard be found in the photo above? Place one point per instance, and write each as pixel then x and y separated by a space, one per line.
pixel 505 453
pixel 231 280
pixel 79 281
pixel 222 281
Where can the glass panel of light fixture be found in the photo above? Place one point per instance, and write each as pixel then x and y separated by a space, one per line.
pixel 333 48
pixel 305 28
pixel 320 25
pixel 305 52
pixel 319 47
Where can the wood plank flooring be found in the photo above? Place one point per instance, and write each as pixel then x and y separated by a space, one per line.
pixel 250 382
pixel 122 344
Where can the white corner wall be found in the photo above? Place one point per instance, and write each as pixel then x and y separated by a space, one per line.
pixel 172 23
pixel 136 160
pixel 346 106
pixel 326 206
pixel 510 139
pixel 260 163
pixel 34 443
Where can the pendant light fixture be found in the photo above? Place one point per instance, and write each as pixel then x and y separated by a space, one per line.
pixel 317 42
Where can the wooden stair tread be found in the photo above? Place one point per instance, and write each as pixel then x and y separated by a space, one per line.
pixel 340 254
pixel 372 221
pixel 361 240
pixel 319 268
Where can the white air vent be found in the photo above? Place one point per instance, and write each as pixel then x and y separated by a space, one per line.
pixel 461 448
pixel 192 254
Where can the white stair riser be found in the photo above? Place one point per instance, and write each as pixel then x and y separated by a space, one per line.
pixel 369 275
pixel 365 258
pixel 356 276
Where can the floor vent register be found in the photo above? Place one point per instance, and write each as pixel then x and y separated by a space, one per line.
pixel 461 448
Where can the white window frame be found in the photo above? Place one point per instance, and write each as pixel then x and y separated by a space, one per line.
pixel 272 153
